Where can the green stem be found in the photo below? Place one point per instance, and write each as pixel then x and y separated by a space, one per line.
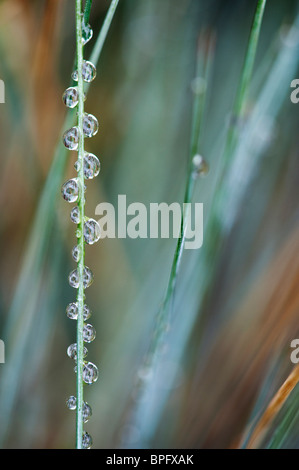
pixel 87 8
pixel 103 33
pixel 81 205
pixel 242 93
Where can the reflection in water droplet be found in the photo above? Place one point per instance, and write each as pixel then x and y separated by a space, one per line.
pixel 72 351
pixel 89 333
pixel 86 440
pixel 87 277
pixel 91 166
pixel 75 215
pixel 72 311
pixel 76 253
pixel 88 72
pixel 70 190
pixel 90 125
pixel 71 403
pixel 71 138
pixel 91 231
pixel 74 279
pixel 70 97
pixel 87 33
pixel 90 373
pixel 87 412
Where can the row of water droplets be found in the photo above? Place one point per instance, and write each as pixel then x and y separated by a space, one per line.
pixel 72 192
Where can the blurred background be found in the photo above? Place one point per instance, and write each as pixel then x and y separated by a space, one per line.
pixel 236 303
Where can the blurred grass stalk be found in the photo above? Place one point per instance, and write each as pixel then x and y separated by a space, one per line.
pixel 24 309
pixel 146 385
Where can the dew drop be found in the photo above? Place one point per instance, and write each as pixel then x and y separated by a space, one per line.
pixel 77 165
pixel 70 97
pixel 89 333
pixel 86 411
pixel 87 33
pixel 70 190
pixel 75 215
pixel 72 351
pixel 72 311
pixel 74 279
pixel 78 233
pixel 71 403
pixel 86 440
pixel 91 231
pixel 88 72
pixel 76 253
pixel 90 373
pixel 200 166
pixel 71 138
pixel 91 166
pixel 90 125
pixel 87 277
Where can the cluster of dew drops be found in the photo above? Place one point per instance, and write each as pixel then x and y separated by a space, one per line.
pixel 71 192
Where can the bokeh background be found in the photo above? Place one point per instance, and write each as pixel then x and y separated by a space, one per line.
pixel 235 309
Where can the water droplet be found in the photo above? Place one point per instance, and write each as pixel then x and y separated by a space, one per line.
pixel 87 412
pixel 91 231
pixel 77 165
pixel 78 233
pixel 86 440
pixel 88 72
pixel 72 351
pixel 87 277
pixel 72 311
pixel 70 97
pixel 91 166
pixel 200 166
pixel 71 403
pixel 87 33
pixel 89 333
pixel 90 373
pixel 76 253
pixel 75 215
pixel 74 279
pixel 70 190
pixel 90 125
pixel 86 313
pixel 71 138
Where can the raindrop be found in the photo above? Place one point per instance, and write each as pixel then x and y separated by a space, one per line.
pixel 88 72
pixel 71 403
pixel 76 253
pixel 77 165
pixel 91 166
pixel 90 373
pixel 70 190
pixel 75 215
pixel 90 125
pixel 70 97
pixel 89 333
pixel 74 279
pixel 71 138
pixel 72 311
pixel 87 33
pixel 87 277
pixel 72 351
pixel 87 412
pixel 200 166
pixel 91 231
pixel 86 440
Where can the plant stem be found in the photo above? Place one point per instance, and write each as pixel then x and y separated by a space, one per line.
pixel 81 205
pixel 87 8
